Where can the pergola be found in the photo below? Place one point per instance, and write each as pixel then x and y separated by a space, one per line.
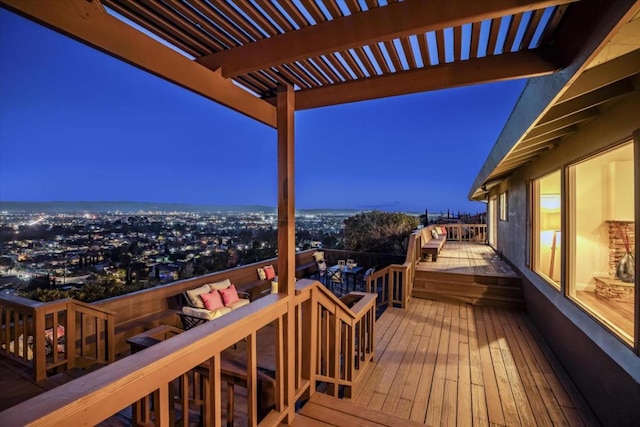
pixel 268 58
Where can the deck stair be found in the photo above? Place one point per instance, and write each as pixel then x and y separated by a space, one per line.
pixel 475 289
pixel 323 410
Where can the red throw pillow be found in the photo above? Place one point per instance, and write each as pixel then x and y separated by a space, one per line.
pixel 212 300
pixel 270 272
pixel 229 295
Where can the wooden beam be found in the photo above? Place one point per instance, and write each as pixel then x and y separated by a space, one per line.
pixel 480 70
pixel 588 100
pixel 287 235
pixel 604 74
pixel 530 142
pixel 570 120
pixel 377 24
pixel 286 203
pixel 89 23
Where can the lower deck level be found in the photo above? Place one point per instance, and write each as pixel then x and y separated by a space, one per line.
pixel 444 363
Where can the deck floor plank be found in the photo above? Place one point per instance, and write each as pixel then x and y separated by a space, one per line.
pixel 475 366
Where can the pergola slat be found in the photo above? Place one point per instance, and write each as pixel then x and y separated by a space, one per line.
pixel 379 57
pixel 284 70
pixel 440 43
pixel 275 14
pixel 381 23
pixel 532 26
pixel 512 32
pixel 475 40
pixel 554 20
pixel 457 43
pixel 364 59
pixel 393 55
pixel 424 50
pixel 169 15
pixel 155 30
pixel 304 74
pixel 333 8
pixel 316 44
pixel 315 72
pixel 352 64
pixel 354 6
pixel 333 60
pixel 195 18
pixel 493 36
pixel 258 17
pixel 480 70
pixel 408 52
pixel 314 10
pixel 321 63
pixel 295 14
pixel 224 24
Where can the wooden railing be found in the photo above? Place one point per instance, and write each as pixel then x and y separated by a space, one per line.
pixel 466 232
pixel 56 335
pixel 334 343
pixel 364 259
pixel 344 337
pixel 394 284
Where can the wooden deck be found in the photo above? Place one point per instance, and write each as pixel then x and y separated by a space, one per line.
pixel 469 272
pixel 468 258
pixel 443 363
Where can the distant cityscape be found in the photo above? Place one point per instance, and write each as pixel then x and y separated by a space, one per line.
pixel 65 245
pixel 70 249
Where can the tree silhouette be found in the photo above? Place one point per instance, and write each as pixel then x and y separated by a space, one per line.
pixel 378 231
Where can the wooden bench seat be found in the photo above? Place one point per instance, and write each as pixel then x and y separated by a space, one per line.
pixel 306 269
pixel 432 245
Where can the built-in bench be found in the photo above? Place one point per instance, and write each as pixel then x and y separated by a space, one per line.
pixel 432 245
pixel 148 308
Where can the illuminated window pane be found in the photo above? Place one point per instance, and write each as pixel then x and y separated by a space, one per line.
pixel 547 232
pixel 601 278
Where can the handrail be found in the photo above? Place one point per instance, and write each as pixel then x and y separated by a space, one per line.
pixel 345 339
pixel 346 346
pixel 27 326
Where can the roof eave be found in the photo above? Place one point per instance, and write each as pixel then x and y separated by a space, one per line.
pixel 540 93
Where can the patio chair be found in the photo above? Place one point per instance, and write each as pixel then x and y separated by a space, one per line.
pixel 335 279
pixel 367 273
pixel 322 272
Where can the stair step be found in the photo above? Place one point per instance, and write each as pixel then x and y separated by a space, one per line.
pixel 326 410
pixel 469 289
pixel 489 301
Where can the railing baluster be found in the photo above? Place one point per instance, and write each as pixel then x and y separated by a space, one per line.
pixel 252 382
pixel 280 364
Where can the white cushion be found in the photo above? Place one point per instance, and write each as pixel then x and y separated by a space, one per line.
pixel 203 313
pixel 224 284
pixel 240 303
pixel 194 295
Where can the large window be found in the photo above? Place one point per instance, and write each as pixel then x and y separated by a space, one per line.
pixel 602 239
pixel 546 220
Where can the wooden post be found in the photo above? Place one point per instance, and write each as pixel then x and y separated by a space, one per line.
pixel 286 235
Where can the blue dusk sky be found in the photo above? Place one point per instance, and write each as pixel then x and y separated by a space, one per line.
pixel 79 125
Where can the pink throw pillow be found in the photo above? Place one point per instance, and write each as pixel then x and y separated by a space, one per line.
pixel 212 300
pixel 229 295
pixel 270 272
pixel 443 230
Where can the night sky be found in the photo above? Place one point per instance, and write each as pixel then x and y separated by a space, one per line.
pixel 76 124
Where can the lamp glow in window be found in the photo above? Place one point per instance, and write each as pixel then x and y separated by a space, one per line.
pixel 550 225
pixel 546 247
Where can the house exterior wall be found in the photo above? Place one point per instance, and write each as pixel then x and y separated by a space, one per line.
pixel 606 371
